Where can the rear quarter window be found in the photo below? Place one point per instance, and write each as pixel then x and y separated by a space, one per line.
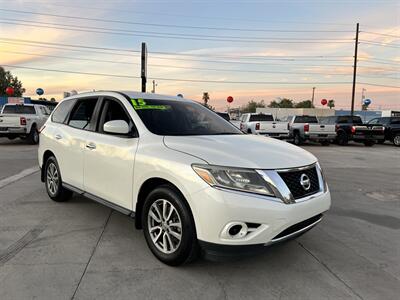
pixel 61 112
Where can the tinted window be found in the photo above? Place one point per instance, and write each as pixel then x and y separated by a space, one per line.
pixel 260 118
pixel 305 119
pixel 60 113
pixel 375 121
pixel 224 115
pixel 82 113
pixel 348 119
pixel 395 121
pixel 168 117
pixel 19 109
pixel 112 110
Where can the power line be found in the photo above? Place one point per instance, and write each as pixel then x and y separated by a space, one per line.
pixel 171 37
pixel 382 85
pixel 379 44
pixel 382 34
pixel 177 79
pixel 174 66
pixel 164 25
pixel 177 34
pixel 258 57
pixel 185 16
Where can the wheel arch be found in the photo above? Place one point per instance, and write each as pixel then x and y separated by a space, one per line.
pixel 146 187
pixel 46 156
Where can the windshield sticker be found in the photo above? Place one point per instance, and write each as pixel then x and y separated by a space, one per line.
pixel 141 104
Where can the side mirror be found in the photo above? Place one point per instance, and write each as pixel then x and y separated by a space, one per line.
pixel 116 127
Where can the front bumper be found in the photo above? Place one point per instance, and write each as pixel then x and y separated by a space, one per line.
pixel 215 208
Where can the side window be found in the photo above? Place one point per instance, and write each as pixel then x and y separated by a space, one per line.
pixel 374 121
pixel 112 110
pixel 60 113
pixel 82 113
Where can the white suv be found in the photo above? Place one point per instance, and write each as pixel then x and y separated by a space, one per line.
pixel 191 179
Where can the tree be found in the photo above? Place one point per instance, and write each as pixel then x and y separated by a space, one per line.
pixel 206 97
pixel 53 99
pixel 304 104
pixel 8 80
pixel 251 106
pixel 331 103
pixel 282 103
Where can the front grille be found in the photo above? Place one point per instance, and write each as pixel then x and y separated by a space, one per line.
pixel 292 180
pixel 297 227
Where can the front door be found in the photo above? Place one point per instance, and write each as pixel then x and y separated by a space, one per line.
pixel 109 158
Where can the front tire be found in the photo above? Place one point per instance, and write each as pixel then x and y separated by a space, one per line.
pixel 169 227
pixel 53 181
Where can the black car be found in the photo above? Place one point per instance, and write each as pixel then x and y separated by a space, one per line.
pixel 392 128
pixel 351 128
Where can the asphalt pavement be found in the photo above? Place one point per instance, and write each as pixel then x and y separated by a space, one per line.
pixel 83 250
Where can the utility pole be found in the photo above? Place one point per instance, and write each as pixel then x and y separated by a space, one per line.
pixel 353 94
pixel 143 71
pixel 312 99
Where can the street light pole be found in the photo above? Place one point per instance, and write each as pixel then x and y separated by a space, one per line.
pixel 312 98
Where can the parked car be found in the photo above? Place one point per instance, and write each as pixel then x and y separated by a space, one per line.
pixel 307 128
pixel 392 128
pixel 351 128
pixel 264 124
pixel 181 171
pixel 23 121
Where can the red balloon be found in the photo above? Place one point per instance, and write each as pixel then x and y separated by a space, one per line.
pixel 229 99
pixel 324 102
pixel 9 91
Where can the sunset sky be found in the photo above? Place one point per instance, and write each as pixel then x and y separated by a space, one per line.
pixel 251 50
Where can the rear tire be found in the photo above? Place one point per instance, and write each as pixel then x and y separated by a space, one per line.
pixel 325 143
pixel 342 138
pixel 33 137
pixel 297 140
pixel 53 181
pixel 396 140
pixel 169 227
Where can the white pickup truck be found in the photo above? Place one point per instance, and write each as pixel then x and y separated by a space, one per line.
pixel 307 128
pixel 264 124
pixel 23 121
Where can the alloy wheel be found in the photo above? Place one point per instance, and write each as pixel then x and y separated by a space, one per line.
pixel 396 140
pixel 52 179
pixel 164 226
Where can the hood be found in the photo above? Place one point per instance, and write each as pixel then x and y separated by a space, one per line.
pixel 244 151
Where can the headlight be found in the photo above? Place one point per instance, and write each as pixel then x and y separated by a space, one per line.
pixel 245 180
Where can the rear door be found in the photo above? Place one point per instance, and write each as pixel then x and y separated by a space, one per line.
pixel 109 158
pixel 69 137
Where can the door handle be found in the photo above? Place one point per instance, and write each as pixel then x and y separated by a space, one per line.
pixel 91 146
pixel 58 137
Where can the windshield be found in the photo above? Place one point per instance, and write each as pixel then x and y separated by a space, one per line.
pixel 19 109
pixel 169 117
pixel 261 118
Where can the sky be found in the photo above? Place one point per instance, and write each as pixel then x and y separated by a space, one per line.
pixel 250 50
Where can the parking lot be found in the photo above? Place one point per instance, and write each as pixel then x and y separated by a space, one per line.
pixel 83 250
